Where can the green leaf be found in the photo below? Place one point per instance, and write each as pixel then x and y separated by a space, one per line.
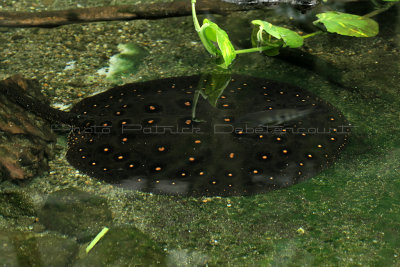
pixel 211 33
pixel 289 37
pixel 391 0
pixel 271 49
pixel 348 24
pixel 208 36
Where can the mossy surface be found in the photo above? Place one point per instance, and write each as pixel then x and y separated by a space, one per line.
pixel 124 246
pixel 75 213
pixel 26 249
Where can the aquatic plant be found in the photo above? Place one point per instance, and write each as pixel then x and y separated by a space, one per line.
pixel 124 63
pixel 269 38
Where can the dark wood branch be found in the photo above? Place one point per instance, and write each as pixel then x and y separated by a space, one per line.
pixel 126 12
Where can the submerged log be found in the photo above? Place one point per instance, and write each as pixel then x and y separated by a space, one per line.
pixel 138 11
pixel 26 141
pixel 107 13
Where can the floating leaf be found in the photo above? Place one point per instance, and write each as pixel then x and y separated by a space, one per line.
pixel 348 24
pixel 211 33
pixel 289 37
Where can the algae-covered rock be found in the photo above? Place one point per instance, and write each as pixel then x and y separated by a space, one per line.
pixel 27 249
pixel 124 246
pixel 75 213
pixel 16 203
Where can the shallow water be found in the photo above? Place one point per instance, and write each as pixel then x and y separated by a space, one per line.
pixel 346 215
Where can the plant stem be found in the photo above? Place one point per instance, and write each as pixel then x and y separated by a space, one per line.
pixel 312 34
pixel 195 20
pixel 380 10
pixel 254 49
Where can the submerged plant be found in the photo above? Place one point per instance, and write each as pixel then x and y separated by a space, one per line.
pixel 124 63
pixel 269 38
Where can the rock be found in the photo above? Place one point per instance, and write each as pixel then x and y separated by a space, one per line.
pixel 25 139
pixel 124 246
pixel 27 249
pixel 16 203
pixel 75 213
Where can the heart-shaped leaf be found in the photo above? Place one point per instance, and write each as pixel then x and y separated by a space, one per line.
pixel 210 33
pixel 348 24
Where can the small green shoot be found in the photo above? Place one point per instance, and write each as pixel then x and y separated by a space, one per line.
pixel 96 239
pixel 215 40
pixel 270 39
